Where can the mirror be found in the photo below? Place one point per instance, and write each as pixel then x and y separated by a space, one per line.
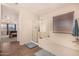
pixel 63 23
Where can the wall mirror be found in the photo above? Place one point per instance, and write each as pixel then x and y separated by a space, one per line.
pixel 63 23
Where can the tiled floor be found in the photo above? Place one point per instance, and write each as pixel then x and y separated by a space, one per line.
pixel 14 49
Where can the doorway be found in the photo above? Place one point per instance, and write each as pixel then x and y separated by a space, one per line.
pixel 8 32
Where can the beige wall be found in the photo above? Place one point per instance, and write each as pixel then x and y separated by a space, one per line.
pixel 47 20
pixel 8 15
pixel 25 26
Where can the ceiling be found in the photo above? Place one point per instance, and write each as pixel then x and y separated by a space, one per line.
pixel 38 8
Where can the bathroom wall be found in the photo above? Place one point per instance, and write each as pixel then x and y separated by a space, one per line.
pixel 47 19
pixel 26 20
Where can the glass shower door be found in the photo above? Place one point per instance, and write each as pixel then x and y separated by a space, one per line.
pixel 35 35
pixel 35 31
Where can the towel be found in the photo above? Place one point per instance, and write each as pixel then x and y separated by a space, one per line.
pixel 75 29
